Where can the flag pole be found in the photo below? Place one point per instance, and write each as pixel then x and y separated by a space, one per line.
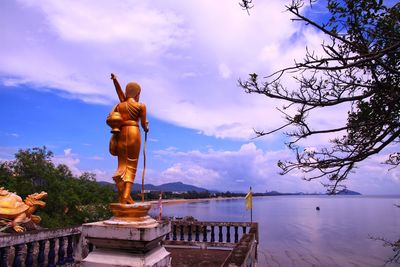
pixel 251 215
pixel 251 209
pixel 144 164
pixel 160 209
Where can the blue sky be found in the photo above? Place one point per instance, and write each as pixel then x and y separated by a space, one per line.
pixel 55 62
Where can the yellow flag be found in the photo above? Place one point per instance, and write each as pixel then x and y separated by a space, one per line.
pixel 249 200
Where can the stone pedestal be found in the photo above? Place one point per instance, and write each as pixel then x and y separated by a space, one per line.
pixel 126 244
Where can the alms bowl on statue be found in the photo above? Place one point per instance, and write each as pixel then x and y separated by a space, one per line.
pixel 114 120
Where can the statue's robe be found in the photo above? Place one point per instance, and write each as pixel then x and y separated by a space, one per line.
pixel 126 143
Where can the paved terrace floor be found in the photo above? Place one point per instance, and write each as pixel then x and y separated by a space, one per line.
pixel 182 257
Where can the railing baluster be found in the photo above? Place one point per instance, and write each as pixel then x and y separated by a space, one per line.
pixel 61 253
pixel 212 234
pixel 174 232
pixel 17 256
pixel 4 256
pixel 236 234
pixel 70 249
pixel 29 255
pixel 220 234
pixel 31 249
pixel 244 229
pixel 205 233
pixel 52 253
pixel 182 233
pixel 167 237
pixel 228 234
pixel 197 238
pixel 189 232
pixel 40 259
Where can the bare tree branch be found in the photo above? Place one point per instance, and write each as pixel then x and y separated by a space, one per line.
pixel 359 65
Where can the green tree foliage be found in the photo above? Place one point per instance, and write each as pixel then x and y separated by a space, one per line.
pixel 71 200
pixel 359 66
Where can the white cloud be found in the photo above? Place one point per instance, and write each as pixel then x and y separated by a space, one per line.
pixel 233 170
pixel 236 170
pixel 7 153
pixel 98 158
pixel 177 51
pixel 102 175
pixel 374 177
pixel 73 162
pixel 69 159
pixel 15 135
pixel 224 71
pixel 112 22
pixel 190 173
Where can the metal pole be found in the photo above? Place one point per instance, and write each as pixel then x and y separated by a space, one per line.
pixel 144 164
pixel 251 209
pixel 251 213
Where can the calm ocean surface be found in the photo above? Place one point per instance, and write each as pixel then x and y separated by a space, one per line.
pixel 293 233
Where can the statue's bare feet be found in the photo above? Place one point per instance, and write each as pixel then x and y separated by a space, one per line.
pixel 18 229
pixel 127 200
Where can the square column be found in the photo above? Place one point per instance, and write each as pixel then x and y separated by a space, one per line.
pixel 125 244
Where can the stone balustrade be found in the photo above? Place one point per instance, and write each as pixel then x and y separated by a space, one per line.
pixel 46 247
pixel 207 234
pixel 241 237
pixel 66 245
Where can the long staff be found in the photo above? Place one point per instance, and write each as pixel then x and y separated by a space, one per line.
pixel 144 164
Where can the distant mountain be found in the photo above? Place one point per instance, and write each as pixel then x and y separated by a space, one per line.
pixel 114 186
pixel 178 187
pixel 168 187
pixel 347 192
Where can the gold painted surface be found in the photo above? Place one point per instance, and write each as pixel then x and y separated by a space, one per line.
pixel 124 120
pixel 129 212
pixel 14 211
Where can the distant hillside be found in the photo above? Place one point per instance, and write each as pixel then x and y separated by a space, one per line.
pixel 348 192
pixel 168 187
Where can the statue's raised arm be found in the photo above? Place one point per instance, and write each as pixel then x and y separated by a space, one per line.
pixel 118 88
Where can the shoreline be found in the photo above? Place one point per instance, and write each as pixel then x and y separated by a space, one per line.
pixel 180 201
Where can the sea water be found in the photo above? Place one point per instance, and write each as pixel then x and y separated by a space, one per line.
pixel 293 232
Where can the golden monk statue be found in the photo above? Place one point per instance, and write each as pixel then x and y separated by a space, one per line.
pixel 125 141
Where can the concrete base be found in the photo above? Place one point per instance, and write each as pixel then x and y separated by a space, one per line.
pixel 146 222
pixel 126 244
pixel 158 257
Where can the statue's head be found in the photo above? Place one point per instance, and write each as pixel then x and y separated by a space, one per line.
pixel 132 90
pixel 36 199
pixel 3 192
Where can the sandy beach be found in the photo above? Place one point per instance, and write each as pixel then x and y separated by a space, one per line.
pixel 179 201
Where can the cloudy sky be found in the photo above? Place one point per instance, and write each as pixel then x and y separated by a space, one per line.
pixel 55 89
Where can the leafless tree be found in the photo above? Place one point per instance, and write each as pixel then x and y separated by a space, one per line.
pixel 359 65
